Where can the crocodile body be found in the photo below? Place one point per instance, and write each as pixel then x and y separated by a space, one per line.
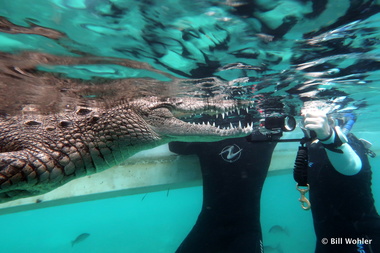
pixel 39 153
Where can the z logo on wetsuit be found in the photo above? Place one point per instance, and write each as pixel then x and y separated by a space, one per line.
pixel 231 153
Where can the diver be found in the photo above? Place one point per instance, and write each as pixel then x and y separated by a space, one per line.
pixel 233 172
pixel 339 175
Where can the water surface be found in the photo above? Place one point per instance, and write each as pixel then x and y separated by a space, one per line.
pixel 56 55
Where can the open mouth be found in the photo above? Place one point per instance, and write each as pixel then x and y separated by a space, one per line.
pixel 238 118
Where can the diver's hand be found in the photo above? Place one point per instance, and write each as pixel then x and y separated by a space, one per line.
pixel 346 162
pixel 317 121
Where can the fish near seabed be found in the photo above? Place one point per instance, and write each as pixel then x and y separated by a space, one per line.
pixel 271 249
pixel 277 229
pixel 80 238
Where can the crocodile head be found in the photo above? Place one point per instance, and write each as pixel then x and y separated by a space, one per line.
pixel 38 153
pixel 182 119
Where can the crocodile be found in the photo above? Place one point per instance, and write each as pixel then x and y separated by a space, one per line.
pixel 39 153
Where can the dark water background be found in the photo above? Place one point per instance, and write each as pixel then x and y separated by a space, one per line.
pixel 59 54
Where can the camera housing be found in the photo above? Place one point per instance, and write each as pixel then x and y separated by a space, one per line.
pixel 285 123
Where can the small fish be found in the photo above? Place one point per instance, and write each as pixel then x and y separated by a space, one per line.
pixel 277 229
pixel 270 249
pixel 265 37
pixel 80 238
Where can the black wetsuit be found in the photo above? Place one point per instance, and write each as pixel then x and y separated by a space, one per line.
pixel 342 206
pixel 233 174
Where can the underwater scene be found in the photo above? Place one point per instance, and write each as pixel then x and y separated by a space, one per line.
pixel 205 126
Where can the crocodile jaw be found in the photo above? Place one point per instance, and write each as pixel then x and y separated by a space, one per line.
pixel 179 130
pixel 164 118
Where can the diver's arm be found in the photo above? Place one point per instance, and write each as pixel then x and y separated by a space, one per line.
pixel 342 157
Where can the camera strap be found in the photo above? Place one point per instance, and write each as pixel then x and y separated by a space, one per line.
pixel 300 173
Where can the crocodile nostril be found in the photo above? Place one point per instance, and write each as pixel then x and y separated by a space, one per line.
pixel 32 123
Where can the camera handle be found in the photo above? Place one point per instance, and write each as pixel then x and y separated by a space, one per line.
pixel 270 139
pixel 275 137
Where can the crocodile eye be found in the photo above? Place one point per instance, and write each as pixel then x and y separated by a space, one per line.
pixel 65 123
pixel 83 111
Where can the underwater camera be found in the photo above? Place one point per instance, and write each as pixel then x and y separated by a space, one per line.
pixel 272 127
pixel 285 123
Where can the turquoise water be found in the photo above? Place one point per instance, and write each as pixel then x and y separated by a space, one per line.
pixel 57 55
pixel 156 222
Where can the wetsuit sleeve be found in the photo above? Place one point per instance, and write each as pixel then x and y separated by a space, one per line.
pixel 340 153
pixel 346 162
pixel 182 148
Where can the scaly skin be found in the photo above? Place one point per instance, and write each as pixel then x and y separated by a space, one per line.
pixel 40 153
